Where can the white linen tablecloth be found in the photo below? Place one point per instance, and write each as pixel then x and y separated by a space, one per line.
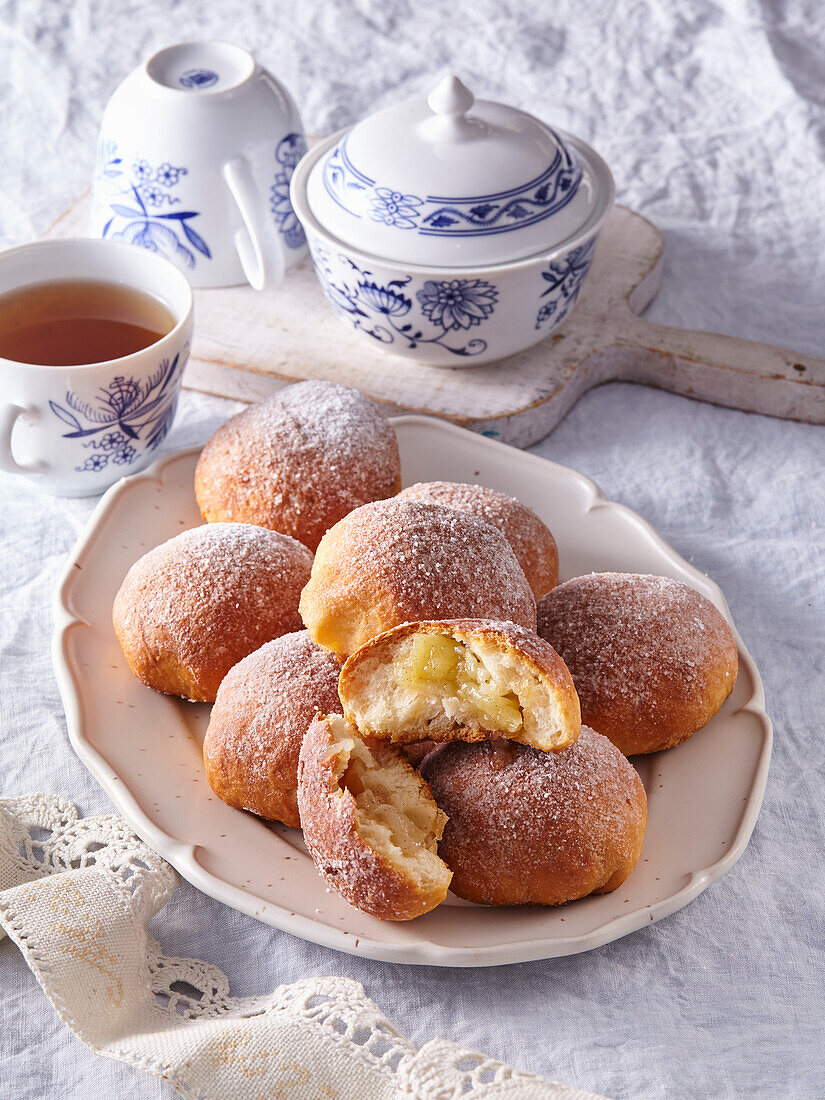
pixel 712 116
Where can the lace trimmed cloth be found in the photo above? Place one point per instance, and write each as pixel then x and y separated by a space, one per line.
pixel 76 896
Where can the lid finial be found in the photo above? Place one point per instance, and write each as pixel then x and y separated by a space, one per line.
pixel 451 98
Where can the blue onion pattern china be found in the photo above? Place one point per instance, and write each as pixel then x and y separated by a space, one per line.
pixel 457 303
pixel 386 309
pixel 198 78
pixel 211 113
pixel 451 230
pixel 287 154
pixel 143 208
pixel 127 417
pixel 565 277
pixel 440 216
pixel 394 208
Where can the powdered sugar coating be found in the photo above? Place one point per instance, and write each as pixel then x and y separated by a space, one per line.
pixel 527 827
pixel 397 561
pixel 651 658
pixel 263 709
pixel 194 606
pixel 533 544
pixel 299 461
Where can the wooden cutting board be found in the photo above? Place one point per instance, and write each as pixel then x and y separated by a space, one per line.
pixel 248 344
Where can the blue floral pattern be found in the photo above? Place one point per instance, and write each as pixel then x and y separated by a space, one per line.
pixel 142 207
pixel 287 154
pixel 440 216
pixel 457 303
pixel 384 300
pixel 393 208
pixel 128 417
pixel 386 311
pixel 564 277
pixel 198 78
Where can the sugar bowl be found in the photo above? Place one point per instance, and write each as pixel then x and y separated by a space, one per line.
pixel 450 230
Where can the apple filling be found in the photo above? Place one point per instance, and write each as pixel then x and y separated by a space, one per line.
pixel 395 814
pixel 435 664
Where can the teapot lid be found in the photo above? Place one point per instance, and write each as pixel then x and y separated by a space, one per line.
pixel 452 181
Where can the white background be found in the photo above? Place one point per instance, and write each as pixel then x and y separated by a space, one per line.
pixel 712 116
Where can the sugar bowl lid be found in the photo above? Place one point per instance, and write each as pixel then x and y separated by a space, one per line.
pixel 452 181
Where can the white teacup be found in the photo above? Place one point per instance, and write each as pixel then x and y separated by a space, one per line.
pixel 75 430
pixel 197 148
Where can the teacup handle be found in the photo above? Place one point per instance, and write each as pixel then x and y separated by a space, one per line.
pixel 258 244
pixel 9 415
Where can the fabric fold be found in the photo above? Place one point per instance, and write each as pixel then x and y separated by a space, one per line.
pixel 76 896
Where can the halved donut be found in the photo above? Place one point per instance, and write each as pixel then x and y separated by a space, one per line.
pixel 464 679
pixel 370 822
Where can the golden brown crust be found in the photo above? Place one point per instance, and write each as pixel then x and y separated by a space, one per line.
pixel 533 828
pixel 263 709
pixel 361 875
pixel 651 658
pixel 531 540
pixel 299 461
pixel 531 652
pixel 194 606
pixel 397 561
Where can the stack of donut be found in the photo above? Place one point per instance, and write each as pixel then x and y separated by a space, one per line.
pixel 399 674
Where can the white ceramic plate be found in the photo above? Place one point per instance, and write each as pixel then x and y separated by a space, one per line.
pixel 145 748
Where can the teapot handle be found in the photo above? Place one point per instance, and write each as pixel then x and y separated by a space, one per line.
pixel 259 245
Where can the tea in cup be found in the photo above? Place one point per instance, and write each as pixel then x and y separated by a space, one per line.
pixel 94 336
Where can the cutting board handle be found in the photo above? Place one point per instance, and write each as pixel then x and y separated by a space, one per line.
pixel 724 370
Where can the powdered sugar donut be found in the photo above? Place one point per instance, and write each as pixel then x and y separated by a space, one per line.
pixel 196 605
pixel 263 709
pixel 370 822
pixel 652 659
pixel 397 561
pixel 534 828
pixel 532 542
pixel 299 461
